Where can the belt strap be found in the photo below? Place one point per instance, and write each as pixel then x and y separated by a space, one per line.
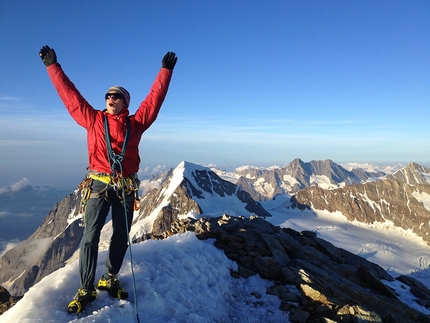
pixel 101 177
pixel 115 180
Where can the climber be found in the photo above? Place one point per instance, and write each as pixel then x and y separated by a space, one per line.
pixel 113 137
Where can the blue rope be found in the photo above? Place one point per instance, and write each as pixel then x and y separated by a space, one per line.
pixel 115 161
pixel 129 247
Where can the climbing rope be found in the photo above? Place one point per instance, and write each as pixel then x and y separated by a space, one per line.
pixel 115 161
pixel 129 246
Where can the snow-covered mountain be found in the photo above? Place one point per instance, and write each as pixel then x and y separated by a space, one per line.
pixel 372 168
pixel 412 174
pixel 191 191
pixel 265 184
pixel 402 198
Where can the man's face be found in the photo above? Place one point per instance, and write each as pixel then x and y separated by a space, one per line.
pixel 114 102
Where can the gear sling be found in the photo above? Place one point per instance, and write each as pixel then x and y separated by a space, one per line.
pixel 129 184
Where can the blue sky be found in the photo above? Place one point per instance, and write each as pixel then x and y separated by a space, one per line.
pixel 257 82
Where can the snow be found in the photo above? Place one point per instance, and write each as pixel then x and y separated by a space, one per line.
pixel 323 182
pixel 230 176
pixel 179 279
pixel 211 204
pixel 426 176
pixel 398 251
pixel 424 198
pixel 145 225
pixel 372 168
pixel 290 179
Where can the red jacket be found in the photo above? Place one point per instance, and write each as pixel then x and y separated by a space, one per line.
pixel 93 121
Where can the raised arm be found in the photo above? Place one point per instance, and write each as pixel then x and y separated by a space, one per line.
pixel 80 110
pixel 149 108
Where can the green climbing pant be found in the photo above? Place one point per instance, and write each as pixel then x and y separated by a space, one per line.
pixel 104 198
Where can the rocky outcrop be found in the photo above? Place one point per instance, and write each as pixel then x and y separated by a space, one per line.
pixel 380 201
pixel 6 300
pixel 46 250
pixel 315 281
pixel 180 203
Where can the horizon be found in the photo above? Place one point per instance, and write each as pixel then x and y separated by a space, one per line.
pixel 255 84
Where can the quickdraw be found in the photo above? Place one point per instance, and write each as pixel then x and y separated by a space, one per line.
pixel 85 187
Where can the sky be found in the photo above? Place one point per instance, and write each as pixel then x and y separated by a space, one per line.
pixel 183 279
pixel 257 82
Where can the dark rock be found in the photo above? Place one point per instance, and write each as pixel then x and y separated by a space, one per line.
pixel 6 300
pixel 330 284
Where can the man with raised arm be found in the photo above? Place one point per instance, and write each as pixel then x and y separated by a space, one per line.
pixel 113 137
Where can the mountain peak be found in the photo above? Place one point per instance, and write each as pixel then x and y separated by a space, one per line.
pixel 412 174
pixel 188 170
pixel 191 190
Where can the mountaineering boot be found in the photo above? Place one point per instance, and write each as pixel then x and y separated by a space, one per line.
pixel 82 298
pixel 111 284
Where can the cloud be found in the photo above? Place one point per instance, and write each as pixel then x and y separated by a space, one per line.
pixel 147 186
pixel 15 187
pixel 19 185
pixel 24 215
pixel 9 98
pixel 34 249
pixel 4 247
pixel 149 171
pixel 11 105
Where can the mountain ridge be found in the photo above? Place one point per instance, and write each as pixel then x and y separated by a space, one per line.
pixel 265 184
pixel 401 198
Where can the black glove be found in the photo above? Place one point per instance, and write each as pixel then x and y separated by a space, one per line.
pixel 48 55
pixel 169 61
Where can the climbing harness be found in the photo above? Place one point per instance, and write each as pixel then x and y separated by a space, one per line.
pixel 130 184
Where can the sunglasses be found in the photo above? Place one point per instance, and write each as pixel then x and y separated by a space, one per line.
pixel 114 96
